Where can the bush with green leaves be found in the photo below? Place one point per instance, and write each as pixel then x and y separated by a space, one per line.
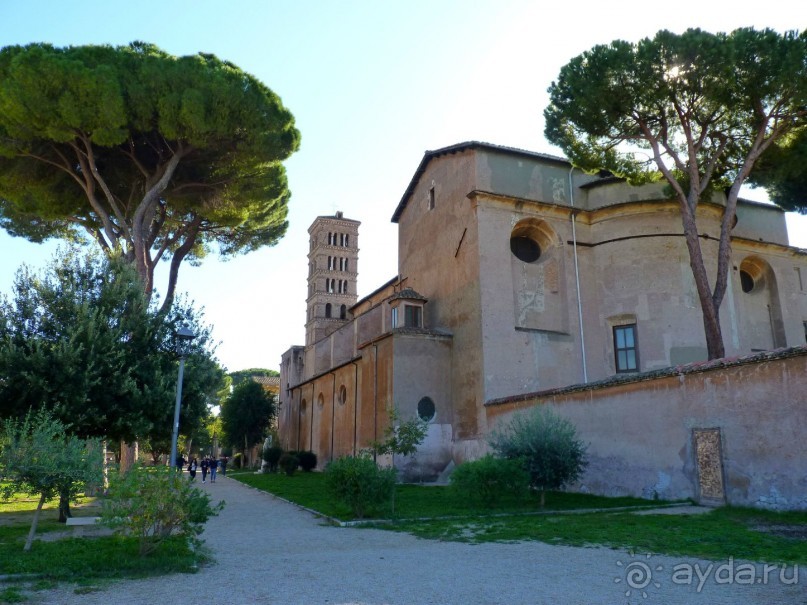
pixel 271 456
pixel 289 463
pixel 489 478
pixel 154 503
pixel 547 445
pixel 308 460
pixel 360 483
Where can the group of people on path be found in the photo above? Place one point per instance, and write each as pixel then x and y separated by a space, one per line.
pixel 208 465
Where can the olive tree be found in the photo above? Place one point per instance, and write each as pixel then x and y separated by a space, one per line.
pixel 546 444
pixel 39 457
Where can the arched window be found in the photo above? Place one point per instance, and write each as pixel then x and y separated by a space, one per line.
pixel 343 312
pixel 328 310
pixel 346 265
pixel 320 400
pixel 347 238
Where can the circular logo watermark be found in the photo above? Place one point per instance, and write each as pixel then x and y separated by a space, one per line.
pixel 638 576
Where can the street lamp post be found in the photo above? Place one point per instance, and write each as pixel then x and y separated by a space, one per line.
pixel 183 336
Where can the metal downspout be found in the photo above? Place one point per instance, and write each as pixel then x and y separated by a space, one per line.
pixel 577 279
pixel 355 407
pixel 333 410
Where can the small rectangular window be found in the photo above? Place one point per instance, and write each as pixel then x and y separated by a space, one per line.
pixel 395 317
pixel 799 278
pixel 412 316
pixel 626 352
pixel 431 198
pixel 805 331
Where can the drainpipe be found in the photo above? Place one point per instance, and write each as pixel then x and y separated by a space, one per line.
pixel 577 279
pixel 333 410
pixel 311 422
pixel 375 396
pixel 355 406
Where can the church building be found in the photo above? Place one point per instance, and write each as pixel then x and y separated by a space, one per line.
pixel 518 274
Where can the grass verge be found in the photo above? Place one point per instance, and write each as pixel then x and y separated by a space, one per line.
pixel 420 501
pixel 87 561
pixel 435 512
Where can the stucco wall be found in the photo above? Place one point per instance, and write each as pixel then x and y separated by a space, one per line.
pixel 437 255
pixel 421 364
pixel 640 433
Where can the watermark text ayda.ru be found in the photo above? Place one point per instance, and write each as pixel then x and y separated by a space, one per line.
pixel 640 577
pixel 698 574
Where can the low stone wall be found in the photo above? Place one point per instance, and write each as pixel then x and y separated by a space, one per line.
pixel 731 431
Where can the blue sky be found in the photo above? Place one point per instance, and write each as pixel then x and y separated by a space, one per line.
pixel 372 85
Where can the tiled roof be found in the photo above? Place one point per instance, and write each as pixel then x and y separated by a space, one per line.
pixel 267 381
pixel 409 294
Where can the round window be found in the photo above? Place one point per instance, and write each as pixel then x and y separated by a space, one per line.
pixel 342 395
pixel 426 409
pixel 525 248
pixel 746 281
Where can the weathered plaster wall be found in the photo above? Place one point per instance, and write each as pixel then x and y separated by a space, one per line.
pixel 640 433
pixel 438 257
pixel 421 363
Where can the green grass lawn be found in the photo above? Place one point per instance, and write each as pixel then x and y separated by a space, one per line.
pixel 87 560
pixel 435 512
pixel 418 501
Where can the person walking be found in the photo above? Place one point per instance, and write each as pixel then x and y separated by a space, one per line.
pixel 205 468
pixel 192 468
pixel 224 466
pixel 214 466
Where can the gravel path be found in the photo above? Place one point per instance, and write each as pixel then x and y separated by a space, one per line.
pixel 270 552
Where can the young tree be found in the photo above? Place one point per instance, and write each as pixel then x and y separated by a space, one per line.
pixel 152 155
pixel 401 437
pixel 37 456
pixel 546 444
pixel 704 106
pixel 80 339
pixel 246 415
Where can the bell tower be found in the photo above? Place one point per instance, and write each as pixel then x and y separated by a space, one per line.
pixel 332 271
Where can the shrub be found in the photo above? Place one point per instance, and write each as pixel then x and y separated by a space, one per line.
pixel 490 478
pixel 155 503
pixel 547 445
pixel 308 460
pixel 289 463
pixel 359 483
pixel 272 456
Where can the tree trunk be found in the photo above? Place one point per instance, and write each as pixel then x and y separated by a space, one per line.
pixel 34 523
pixel 709 310
pixel 64 506
pixel 128 455
pixel 543 498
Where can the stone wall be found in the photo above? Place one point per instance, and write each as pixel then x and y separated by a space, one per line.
pixel 728 431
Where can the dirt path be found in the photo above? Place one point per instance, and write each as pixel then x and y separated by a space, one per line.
pixel 270 552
